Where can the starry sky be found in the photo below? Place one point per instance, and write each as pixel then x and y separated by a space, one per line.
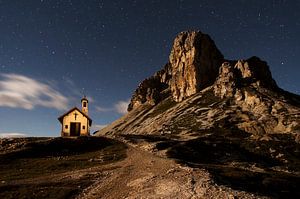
pixel 52 52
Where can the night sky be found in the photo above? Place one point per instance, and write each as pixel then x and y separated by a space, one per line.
pixel 54 51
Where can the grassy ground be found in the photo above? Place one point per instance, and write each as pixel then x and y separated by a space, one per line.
pixel 46 168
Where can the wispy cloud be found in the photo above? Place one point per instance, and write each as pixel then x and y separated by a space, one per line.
pixel 103 109
pixel 119 107
pixel 12 135
pixel 98 126
pixel 19 91
pixel 75 92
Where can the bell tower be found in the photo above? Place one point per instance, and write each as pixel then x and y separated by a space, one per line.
pixel 85 105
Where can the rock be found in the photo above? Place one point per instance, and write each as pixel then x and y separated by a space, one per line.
pixel 148 91
pixel 239 93
pixel 255 71
pixel 225 85
pixel 194 61
pixel 245 73
pixel 193 65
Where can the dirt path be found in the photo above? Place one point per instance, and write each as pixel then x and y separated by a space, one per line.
pixel 143 175
pixel 138 174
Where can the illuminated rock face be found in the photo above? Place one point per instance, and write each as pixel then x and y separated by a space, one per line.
pixel 195 61
pixel 193 65
pixel 203 109
pixel 243 73
pixel 244 91
pixel 198 95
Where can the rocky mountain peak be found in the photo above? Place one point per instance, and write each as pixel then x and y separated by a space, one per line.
pixel 194 61
pixel 254 70
pixel 203 110
pixel 193 64
pixel 243 73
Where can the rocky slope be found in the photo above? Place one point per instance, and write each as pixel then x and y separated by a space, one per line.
pixel 223 115
pixel 98 167
pixel 193 65
pixel 198 84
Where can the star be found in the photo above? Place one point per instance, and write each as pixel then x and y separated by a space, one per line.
pixel 107 45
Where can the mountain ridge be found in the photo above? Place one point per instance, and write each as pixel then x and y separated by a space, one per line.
pixel 226 116
pixel 195 64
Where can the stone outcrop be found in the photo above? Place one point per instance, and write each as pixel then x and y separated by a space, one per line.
pixel 203 110
pixel 250 87
pixel 256 72
pixel 193 65
pixel 245 87
pixel 251 72
pixel 148 91
pixel 225 85
pixel 195 61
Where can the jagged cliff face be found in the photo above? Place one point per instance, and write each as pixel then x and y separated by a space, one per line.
pixel 228 116
pixel 193 65
pixel 199 88
pixel 243 73
pixel 256 99
pixel 194 61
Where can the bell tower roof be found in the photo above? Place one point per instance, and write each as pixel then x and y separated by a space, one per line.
pixel 84 98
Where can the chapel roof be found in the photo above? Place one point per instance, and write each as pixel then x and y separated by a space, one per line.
pixel 60 118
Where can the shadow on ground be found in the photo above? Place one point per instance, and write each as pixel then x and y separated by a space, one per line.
pixel 234 160
pixel 34 168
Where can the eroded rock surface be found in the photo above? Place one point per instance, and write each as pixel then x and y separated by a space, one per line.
pixel 193 65
pixel 227 116
pixel 202 88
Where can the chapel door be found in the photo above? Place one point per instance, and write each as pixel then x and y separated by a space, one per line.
pixel 75 129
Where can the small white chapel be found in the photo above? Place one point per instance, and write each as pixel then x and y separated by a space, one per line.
pixel 76 122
